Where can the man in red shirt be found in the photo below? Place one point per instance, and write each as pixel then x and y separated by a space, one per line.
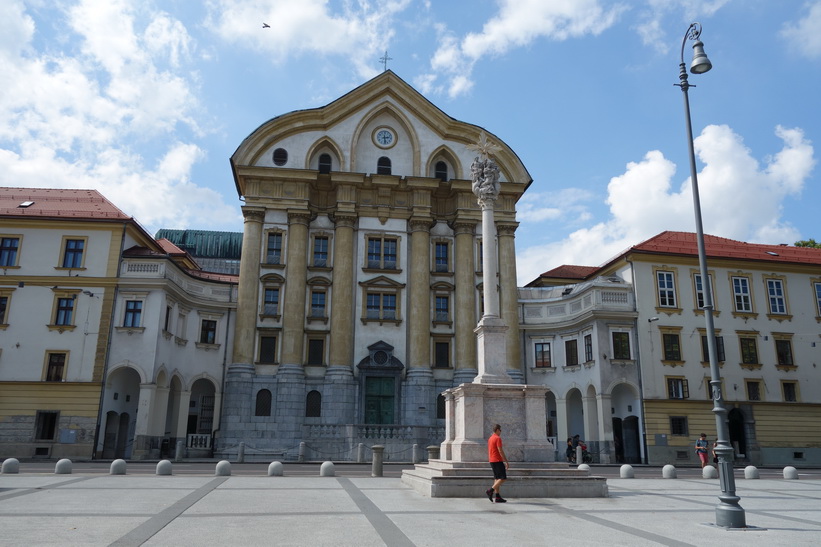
pixel 498 462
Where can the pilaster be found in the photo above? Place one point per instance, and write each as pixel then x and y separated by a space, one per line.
pixel 419 293
pixel 342 296
pixel 248 290
pixel 293 314
pixel 465 306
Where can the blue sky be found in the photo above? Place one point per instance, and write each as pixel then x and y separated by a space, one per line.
pixel 145 101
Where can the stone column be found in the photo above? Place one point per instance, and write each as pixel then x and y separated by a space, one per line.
pixel 293 309
pixel 590 418
pixel 464 311
pixel 182 418
pixel 419 378
pixel 510 299
pixel 605 429
pixel 145 407
pixel 342 295
pixel 561 427
pixel 248 292
pixel 158 416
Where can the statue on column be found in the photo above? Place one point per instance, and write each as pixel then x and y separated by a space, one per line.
pixel 484 171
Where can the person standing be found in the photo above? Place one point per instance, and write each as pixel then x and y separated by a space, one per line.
pixel 498 463
pixel 701 449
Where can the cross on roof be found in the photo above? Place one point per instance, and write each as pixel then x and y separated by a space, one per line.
pixel 384 60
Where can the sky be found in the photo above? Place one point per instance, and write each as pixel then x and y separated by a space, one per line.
pixel 146 100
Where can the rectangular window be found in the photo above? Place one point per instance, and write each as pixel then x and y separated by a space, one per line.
pixel 442 309
pixel 4 306
pixel 65 311
pixel 442 355
pixel 741 295
pixel 56 367
pixel 753 390
pixel 441 258
pixel 268 349
pixel 705 351
pixel 542 357
pixel 621 345
pixel 273 253
pixel 320 252
pixel 678 426
pixel 316 351
pixel 571 353
pixel 208 332
pixel 167 323
pixel 783 351
pixel 8 251
pixel 790 391
pixel 133 313
pixel 73 254
pixel 382 253
pixel 672 346
pixel 317 303
pixel 677 388
pixel 700 295
pixel 817 287
pixel 666 289
pixel 588 348
pixel 271 302
pixel 45 425
pixel 749 351
pixel 775 294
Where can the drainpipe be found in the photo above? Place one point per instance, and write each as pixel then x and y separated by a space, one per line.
pixel 108 344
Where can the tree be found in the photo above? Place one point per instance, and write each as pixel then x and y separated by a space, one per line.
pixel 808 243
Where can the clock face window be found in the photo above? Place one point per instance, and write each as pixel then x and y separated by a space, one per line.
pixel 384 138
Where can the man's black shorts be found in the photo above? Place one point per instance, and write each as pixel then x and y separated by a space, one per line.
pixel 499 471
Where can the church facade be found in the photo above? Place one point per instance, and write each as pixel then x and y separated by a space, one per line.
pixel 360 283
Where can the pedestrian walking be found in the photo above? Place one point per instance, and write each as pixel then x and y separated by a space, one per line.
pixel 498 463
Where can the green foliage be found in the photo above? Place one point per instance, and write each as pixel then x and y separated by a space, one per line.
pixel 808 243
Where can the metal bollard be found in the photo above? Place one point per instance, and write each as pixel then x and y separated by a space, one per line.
pixel 417 457
pixel 241 453
pixel 360 453
pixel 302 446
pixel 180 451
pixel 376 466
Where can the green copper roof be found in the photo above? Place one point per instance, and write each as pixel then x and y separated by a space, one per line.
pixel 204 243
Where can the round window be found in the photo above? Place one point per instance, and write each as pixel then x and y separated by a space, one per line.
pixel 280 157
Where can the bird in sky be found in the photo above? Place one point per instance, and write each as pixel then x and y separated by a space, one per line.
pixel 266 25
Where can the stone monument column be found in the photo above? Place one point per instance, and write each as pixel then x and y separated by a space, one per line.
pixel 510 299
pixel 419 377
pixel 248 291
pixel 464 311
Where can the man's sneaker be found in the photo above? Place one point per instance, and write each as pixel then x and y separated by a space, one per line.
pixel 500 499
pixel 489 493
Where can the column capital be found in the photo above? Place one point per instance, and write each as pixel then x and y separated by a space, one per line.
pixel 506 229
pixel 253 215
pixel 464 227
pixel 299 217
pixel 417 224
pixel 344 220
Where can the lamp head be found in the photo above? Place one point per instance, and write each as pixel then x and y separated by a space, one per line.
pixel 701 63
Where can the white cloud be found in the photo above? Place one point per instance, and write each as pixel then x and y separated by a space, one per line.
pixel 740 200
pixel 564 204
pixel 650 27
pixel 70 119
pixel 359 32
pixel 518 23
pixel 805 35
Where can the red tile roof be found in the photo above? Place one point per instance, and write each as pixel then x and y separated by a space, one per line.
pixel 57 203
pixel 170 248
pixel 684 244
pixel 568 271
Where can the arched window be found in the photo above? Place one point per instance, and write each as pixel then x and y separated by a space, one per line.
pixel 440 407
pixel 441 171
pixel 280 157
pixel 325 163
pixel 313 404
pixel 383 166
pixel 263 403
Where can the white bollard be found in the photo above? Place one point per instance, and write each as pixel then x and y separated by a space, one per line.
pixel 10 466
pixel 63 467
pixel 790 473
pixel 223 469
pixel 709 472
pixel 117 467
pixel 669 472
pixel 583 467
pixel 751 472
pixel 241 453
pixel 327 469
pixel 626 471
pixel 275 469
pixel 164 467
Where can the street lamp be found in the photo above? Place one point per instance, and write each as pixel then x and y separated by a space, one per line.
pixel 729 514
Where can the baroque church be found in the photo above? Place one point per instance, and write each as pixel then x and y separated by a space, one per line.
pixel 361 284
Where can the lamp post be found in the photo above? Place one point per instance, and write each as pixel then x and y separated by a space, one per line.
pixel 729 514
